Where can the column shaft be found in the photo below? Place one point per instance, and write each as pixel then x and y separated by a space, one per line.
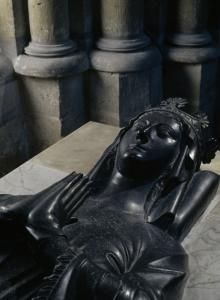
pixel 187 23
pixel 49 27
pixel 122 25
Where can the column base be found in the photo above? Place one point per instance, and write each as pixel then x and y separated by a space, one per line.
pixel 125 62
pixel 123 84
pixel 56 67
pixel 115 98
pixel 53 96
pixel 196 83
pixel 117 45
pixel 190 40
pixel 193 55
pixel 55 50
pixel 6 69
pixel 54 107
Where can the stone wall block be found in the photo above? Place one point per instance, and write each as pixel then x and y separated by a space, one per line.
pixel 40 138
pixel 14 146
pixel 104 95
pixel 134 95
pixel 56 101
pixel 118 97
pixel 81 22
pixel 72 103
pixel 13 134
pixel 10 102
pixel 155 19
pixel 41 96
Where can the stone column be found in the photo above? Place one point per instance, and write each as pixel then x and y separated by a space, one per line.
pixel 13 27
pixel 49 27
pixel 125 64
pixel 122 26
pixel 187 24
pixel 51 70
pixel 190 68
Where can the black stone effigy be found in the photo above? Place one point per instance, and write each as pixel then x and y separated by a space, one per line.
pixel 116 233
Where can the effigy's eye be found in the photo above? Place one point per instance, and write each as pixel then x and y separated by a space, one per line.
pixel 165 131
pixel 142 136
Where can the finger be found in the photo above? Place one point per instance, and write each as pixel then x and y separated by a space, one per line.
pixel 57 186
pixel 74 196
pixel 75 189
pixel 77 204
pixel 50 200
pixel 66 189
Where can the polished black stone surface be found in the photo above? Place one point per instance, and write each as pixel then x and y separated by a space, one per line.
pixel 115 233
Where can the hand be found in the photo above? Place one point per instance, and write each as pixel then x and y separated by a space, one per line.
pixel 48 211
pixel 55 206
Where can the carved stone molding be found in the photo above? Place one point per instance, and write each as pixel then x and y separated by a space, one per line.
pixel 187 23
pixel 125 62
pixel 188 39
pixel 51 53
pixel 56 67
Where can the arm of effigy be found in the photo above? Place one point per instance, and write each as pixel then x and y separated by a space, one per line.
pixel 46 220
pixel 199 193
pixel 43 215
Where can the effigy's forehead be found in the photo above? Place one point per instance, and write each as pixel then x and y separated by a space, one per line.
pixel 159 116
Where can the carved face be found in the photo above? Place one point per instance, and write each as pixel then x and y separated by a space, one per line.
pixel 150 145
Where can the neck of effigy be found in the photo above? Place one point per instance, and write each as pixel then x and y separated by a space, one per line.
pixel 119 183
